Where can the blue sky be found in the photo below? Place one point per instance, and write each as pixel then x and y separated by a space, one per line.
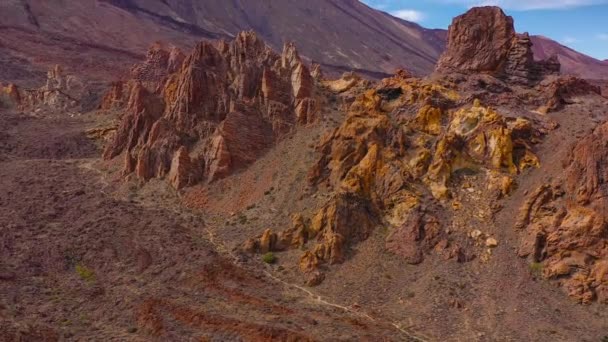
pixel 580 24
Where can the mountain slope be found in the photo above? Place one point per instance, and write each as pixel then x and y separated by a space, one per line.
pixel 103 38
pixel 340 35
pixel 573 62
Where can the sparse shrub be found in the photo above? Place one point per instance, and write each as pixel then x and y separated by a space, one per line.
pixel 242 219
pixel 536 268
pixel 269 258
pixel 85 273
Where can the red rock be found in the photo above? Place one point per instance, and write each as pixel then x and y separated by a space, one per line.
pixel 239 140
pixel 159 63
pixel 183 172
pixel 560 91
pixel 567 230
pixel 117 96
pixel 234 98
pixel 483 40
pixel 418 235
pixel 13 96
pixel 61 92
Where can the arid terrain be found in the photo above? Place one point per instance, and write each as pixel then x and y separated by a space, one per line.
pixel 235 190
pixel 103 38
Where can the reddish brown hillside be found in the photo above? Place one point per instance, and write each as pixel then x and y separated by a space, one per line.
pixel 572 61
pixel 101 37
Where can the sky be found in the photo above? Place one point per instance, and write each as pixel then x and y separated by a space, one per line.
pixel 579 24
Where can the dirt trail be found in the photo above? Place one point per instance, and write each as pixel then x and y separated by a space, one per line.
pixel 82 257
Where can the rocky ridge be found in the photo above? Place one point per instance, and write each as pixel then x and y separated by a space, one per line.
pixel 203 116
pixel 427 158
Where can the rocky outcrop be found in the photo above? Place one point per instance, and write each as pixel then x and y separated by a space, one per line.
pixel 117 97
pixel 479 136
pixel 10 96
pixel 152 74
pixel 222 105
pixel 419 234
pixel 401 144
pixel 561 91
pixel 158 65
pixel 484 40
pixel 565 225
pixel 345 220
pixel 61 92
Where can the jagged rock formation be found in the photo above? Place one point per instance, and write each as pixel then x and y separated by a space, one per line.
pixel 565 224
pixel 401 145
pixel 152 74
pixel 60 93
pixel 213 112
pixel 483 40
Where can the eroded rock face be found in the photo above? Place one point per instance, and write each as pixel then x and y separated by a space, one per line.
pixel 152 74
pixel 10 95
pixel 158 65
pixel 223 104
pixel 484 40
pixel 565 225
pixel 479 136
pixel 417 235
pixel 60 93
pixel 117 96
pixel 401 144
pixel 559 92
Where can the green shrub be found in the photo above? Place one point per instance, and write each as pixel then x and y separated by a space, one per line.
pixel 269 258
pixel 536 268
pixel 85 273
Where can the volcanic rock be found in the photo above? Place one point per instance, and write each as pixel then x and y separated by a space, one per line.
pixel 182 173
pixel 159 64
pixel 383 163
pixel 117 96
pixel 61 92
pixel 11 96
pixel 561 91
pixel 224 104
pixel 416 236
pixel 566 230
pixel 484 40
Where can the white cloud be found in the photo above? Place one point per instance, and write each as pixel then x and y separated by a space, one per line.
pixel 409 15
pixel 525 5
pixel 602 36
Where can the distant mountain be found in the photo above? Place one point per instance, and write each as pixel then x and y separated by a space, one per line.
pixel 573 62
pixel 94 35
pixel 103 38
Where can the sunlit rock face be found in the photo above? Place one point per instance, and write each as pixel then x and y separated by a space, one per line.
pixel 212 112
